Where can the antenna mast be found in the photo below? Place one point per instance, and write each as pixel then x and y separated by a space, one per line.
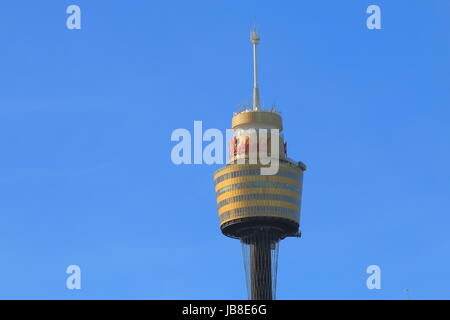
pixel 254 38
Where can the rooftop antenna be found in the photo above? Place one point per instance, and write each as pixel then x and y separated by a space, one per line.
pixel 254 38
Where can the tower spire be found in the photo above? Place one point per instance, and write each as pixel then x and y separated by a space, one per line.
pixel 254 38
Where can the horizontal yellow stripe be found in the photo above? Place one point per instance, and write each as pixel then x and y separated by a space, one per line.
pixel 260 215
pixel 231 181
pixel 240 192
pixel 259 203
pixel 233 168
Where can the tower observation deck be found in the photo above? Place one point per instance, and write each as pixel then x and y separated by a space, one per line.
pixel 258 208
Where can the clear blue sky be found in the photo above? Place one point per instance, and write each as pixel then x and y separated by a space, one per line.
pixel 86 117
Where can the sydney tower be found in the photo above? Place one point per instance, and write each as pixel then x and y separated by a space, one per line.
pixel 256 205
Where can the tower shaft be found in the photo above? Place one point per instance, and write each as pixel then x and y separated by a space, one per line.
pixel 260 249
pixel 261 268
